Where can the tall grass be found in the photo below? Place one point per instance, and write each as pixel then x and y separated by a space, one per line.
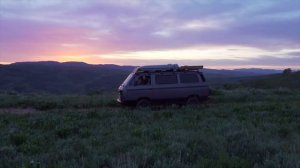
pixel 46 101
pixel 235 128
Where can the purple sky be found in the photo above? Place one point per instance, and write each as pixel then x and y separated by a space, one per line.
pixel 223 34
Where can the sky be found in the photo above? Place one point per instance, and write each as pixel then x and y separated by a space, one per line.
pixel 223 34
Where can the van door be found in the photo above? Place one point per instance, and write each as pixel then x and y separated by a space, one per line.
pixel 140 87
pixel 166 86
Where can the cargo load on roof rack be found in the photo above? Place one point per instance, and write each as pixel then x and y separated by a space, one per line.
pixel 158 68
pixel 167 67
pixel 190 68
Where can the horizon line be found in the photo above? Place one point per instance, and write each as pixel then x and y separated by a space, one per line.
pixel 205 67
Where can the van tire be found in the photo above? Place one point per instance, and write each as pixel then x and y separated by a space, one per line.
pixel 192 101
pixel 143 103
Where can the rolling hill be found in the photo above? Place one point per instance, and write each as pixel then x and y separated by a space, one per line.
pixel 54 77
pixel 79 77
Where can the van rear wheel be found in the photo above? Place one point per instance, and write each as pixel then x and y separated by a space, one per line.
pixel 143 104
pixel 192 101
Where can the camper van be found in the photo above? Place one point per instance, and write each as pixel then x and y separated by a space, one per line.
pixel 161 84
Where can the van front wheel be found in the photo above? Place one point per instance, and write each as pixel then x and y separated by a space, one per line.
pixel 143 104
pixel 192 101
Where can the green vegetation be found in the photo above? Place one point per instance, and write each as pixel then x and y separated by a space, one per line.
pixel 287 79
pixel 235 128
pixel 46 101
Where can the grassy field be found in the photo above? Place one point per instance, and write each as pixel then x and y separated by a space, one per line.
pixel 291 81
pixel 235 128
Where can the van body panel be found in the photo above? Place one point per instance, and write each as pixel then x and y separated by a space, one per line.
pixel 137 93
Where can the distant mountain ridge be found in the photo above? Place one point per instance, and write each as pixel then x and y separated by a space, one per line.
pixel 74 64
pixel 80 77
pixel 259 71
pixel 247 71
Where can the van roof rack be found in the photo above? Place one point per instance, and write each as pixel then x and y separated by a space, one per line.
pixel 167 68
pixel 191 68
pixel 158 68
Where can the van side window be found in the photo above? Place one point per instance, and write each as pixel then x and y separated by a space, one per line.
pixel 142 80
pixel 189 78
pixel 166 79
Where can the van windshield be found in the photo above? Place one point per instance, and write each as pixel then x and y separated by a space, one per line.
pixel 127 79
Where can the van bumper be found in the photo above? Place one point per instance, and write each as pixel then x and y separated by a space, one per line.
pixel 119 101
pixel 122 102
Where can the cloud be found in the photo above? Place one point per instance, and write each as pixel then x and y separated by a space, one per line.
pixel 259 62
pixel 294 54
pixel 30 29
